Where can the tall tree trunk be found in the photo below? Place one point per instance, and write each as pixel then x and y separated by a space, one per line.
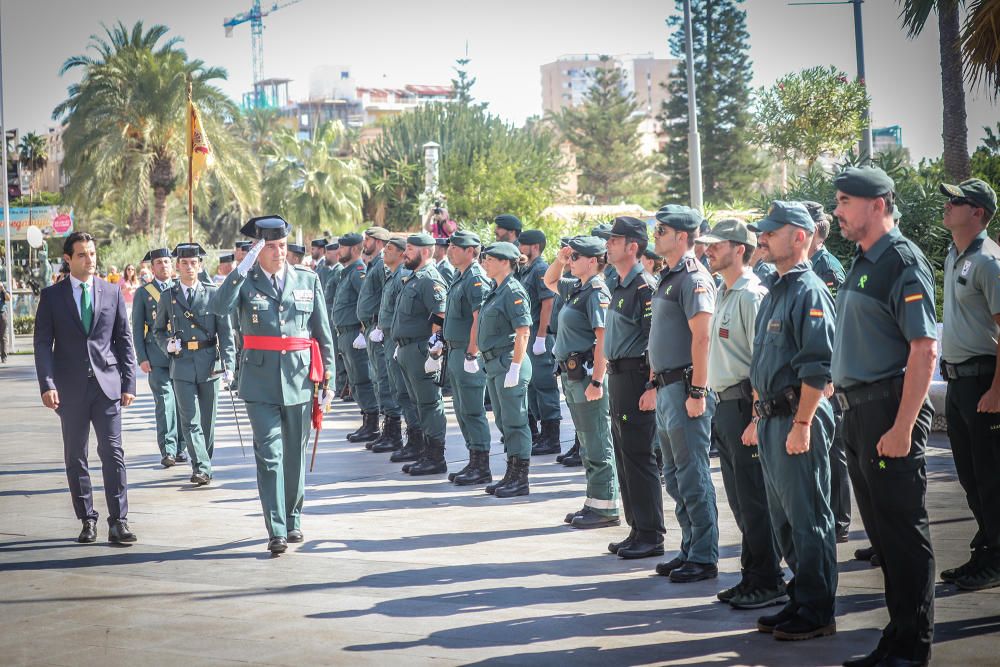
pixel 162 180
pixel 160 211
pixel 955 131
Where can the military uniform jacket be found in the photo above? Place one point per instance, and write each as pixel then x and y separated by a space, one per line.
pixel 585 308
pixel 828 268
pixel 971 299
pixel 330 279
pixel 194 322
pixel 345 302
pixel 447 271
pixel 886 302
pixel 793 334
pixel 630 315
pixel 145 305
pixel 370 298
pixel 390 296
pixel 277 377
pixel 465 296
pixel 505 309
pixel 423 295
pixel 532 278
pixel 684 291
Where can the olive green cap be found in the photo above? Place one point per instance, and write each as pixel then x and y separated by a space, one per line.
pixel 730 229
pixel 975 190
pixel 868 182
pixel 601 231
pixel 378 233
pixel 397 242
pixel 784 213
pixel 463 239
pixel 588 246
pixel 681 218
pixel 423 240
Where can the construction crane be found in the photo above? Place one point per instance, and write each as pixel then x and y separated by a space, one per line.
pixel 255 15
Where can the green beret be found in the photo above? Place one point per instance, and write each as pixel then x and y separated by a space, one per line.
pixel 601 231
pixel 398 242
pixel 422 240
pixel 785 213
pixel 503 250
pixel 868 182
pixel 332 245
pixel 462 239
pixel 681 218
pixel 815 210
pixel 531 237
pixel 588 246
pixel 352 239
pixel 976 191
pixel 508 221
pixel 378 233
pixel 729 229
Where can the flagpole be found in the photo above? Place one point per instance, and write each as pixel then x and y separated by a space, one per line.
pixel 8 261
pixel 190 150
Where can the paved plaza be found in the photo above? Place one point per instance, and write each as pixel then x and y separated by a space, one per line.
pixel 393 570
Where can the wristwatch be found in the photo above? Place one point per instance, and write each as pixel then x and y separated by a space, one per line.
pixel 595 383
pixel 697 392
pixel 650 385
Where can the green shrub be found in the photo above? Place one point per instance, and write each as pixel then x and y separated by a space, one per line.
pixel 25 324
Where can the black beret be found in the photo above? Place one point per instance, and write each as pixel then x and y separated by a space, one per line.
pixel 352 239
pixel 868 182
pixel 531 237
pixel 318 243
pixel 508 221
pixel 227 259
pixel 332 245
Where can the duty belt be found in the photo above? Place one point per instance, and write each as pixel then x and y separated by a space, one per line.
pixel 741 390
pixel 406 341
pixel 496 353
pixel 628 364
pixel 670 376
pixel 192 345
pixel 348 329
pixel 783 405
pixel 860 394
pixel 971 368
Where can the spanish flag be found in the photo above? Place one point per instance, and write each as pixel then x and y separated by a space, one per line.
pixel 199 150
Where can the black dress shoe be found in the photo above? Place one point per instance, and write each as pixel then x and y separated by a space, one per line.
pixel 277 545
pixel 89 532
pixel 294 536
pixel 168 461
pixel 641 550
pixel 180 457
pixel 798 628
pixel 572 515
pixel 691 571
pixel 591 519
pixel 664 569
pixel 870 660
pixel 200 479
pixel 768 623
pixel 573 460
pixel 843 537
pixel 864 553
pixel 613 547
pixel 119 533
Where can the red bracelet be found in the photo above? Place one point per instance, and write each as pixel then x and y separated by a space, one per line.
pixel 802 421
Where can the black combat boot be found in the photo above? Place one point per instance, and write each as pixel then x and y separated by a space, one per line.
pixel 419 452
pixel 572 458
pixel 468 466
pixel 369 429
pixel 478 471
pixel 433 462
pixel 548 441
pixel 518 485
pixel 507 476
pixel 411 450
pixel 533 427
pixel 392 436
pixel 380 438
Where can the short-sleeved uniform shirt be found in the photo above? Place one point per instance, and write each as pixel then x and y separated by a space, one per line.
pixel 585 308
pixel 465 296
pixel 971 299
pixel 345 302
pixel 684 291
pixel 763 269
pixel 370 298
pixel 886 301
pixel 390 295
pixel 423 295
pixel 532 278
pixel 504 309
pixel 828 268
pixel 630 314
pixel 732 332
pixel 793 335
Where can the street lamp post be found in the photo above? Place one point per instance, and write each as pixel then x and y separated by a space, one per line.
pixel 432 159
pixel 8 262
pixel 694 140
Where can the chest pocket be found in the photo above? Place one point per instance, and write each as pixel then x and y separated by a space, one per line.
pixel 408 302
pixel 490 322
pixel 303 311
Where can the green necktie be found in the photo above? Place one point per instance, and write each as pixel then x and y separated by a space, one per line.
pixel 86 307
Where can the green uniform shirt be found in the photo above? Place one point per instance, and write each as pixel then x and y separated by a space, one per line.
pixel 557 304
pixel 585 308
pixel 505 309
pixel 532 278
pixel 684 291
pixel 447 271
pixel 763 269
pixel 732 332
pixel 793 338
pixel 330 278
pixel 886 302
pixel 610 273
pixel 423 294
pixel 370 298
pixel 971 299
pixel 630 314
pixel 345 302
pixel 465 297
pixel 192 321
pixel 390 296
pixel 828 268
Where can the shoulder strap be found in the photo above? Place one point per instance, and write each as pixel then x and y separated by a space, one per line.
pixel 153 292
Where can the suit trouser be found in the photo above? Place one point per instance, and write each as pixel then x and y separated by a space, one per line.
pixel 279 444
pixel 510 404
pixel 840 481
pixel 387 403
pixel 168 432
pixel 746 491
pixel 891 497
pixel 398 387
pixel 543 391
pixel 423 392
pixel 592 423
pixel 358 371
pixel 77 412
pixel 633 434
pixel 197 404
pixel 687 473
pixel 467 397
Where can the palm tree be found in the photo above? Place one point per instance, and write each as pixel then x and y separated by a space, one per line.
pixel 125 137
pixel 308 182
pixel 980 40
pixel 34 152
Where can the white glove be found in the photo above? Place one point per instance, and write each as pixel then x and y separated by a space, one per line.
pixel 248 261
pixel 395 353
pixel 228 377
pixel 432 365
pixel 513 375
pixel 359 342
pixel 376 336
pixel 538 347
pixel 173 346
pixel 471 365
pixel 435 344
pixel 325 398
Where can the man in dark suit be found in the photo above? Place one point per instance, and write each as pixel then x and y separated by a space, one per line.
pixel 86 373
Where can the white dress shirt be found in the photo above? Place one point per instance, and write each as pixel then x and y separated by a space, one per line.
pixel 78 293
pixel 279 276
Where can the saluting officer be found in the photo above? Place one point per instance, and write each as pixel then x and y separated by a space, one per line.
pixel 678 354
pixel 330 274
pixel 633 430
pixel 883 360
pixel 197 342
pixel 789 371
pixel 287 348
pixel 369 301
pixel 416 330
pixel 152 359
pixel 465 297
pixel 350 338
pixel 579 351
pixel 504 326
pixel 969 364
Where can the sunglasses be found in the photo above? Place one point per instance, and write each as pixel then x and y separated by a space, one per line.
pixel 661 230
pixel 575 256
pixel 960 201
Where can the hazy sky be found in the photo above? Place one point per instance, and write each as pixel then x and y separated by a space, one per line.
pixel 393 42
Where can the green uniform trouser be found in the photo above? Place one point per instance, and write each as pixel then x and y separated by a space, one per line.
pixel 340 368
pixel 423 392
pixel 196 403
pixel 592 422
pixel 279 444
pixel 543 391
pixel 510 404
pixel 687 474
pixel 398 386
pixel 168 431
pixel 468 395
pixel 387 403
pixel 358 372
pixel 798 497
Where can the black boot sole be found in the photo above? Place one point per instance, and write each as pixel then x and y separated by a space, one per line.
pixel 503 492
pixel 482 479
pixel 436 470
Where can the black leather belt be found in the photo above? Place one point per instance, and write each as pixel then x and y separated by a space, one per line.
pixel 783 405
pixel 739 391
pixel 406 341
pixel 495 353
pixel 192 345
pixel 971 368
pixel 860 394
pixel 670 376
pixel 628 364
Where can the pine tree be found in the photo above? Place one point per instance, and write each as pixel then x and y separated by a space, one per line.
pixel 723 71
pixel 462 86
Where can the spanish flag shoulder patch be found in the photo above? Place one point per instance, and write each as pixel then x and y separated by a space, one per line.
pixel 477 284
pixel 604 305
pixel 910 298
pixel 517 301
pixel 815 312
